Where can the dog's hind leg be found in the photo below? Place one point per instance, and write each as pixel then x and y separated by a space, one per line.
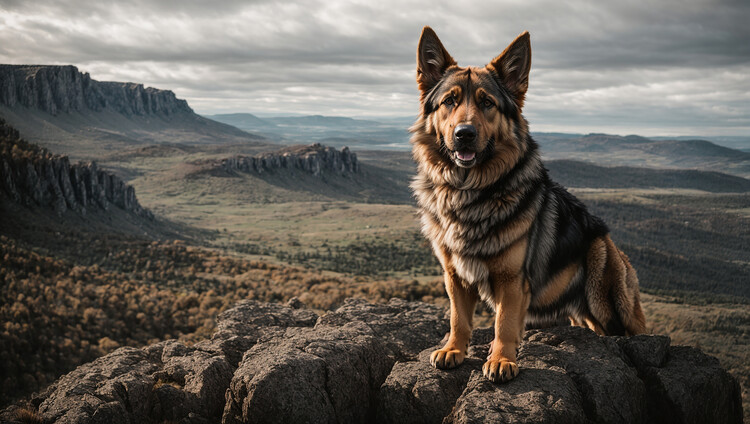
pixel 576 322
pixel 594 326
pixel 463 301
pixel 612 291
pixel 631 313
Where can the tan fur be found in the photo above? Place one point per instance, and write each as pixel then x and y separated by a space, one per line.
pixel 576 322
pixel 557 286
pixel 511 301
pixel 463 300
pixel 612 288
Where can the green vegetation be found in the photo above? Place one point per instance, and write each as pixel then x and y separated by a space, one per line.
pixel 678 242
pixel 376 258
pixel 583 174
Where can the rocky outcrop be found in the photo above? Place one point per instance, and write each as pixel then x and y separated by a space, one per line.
pixel 313 159
pixel 32 176
pixel 369 363
pixel 63 89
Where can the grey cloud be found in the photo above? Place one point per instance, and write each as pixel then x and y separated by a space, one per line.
pixel 630 64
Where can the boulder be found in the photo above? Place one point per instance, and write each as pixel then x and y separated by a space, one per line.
pixel 368 362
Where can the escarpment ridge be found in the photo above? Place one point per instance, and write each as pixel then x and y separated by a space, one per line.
pixel 313 159
pixel 32 176
pixel 63 89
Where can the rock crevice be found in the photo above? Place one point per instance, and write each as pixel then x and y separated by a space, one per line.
pixel 369 363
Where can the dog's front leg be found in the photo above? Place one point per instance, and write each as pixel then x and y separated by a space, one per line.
pixel 463 300
pixel 511 299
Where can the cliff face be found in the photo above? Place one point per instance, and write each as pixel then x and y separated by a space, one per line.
pixel 369 363
pixel 63 89
pixel 34 177
pixel 313 159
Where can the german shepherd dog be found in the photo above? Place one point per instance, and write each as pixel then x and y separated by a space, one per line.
pixel 501 229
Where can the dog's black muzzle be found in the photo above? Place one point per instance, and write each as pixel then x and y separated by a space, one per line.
pixel 465 133
pixel 465 149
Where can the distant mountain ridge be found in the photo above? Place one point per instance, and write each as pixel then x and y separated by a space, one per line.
pixel 693 147
pixel 248 119
pixel 70 113
pixel 633 150
pixel 573 173
pixel 607 149
pixel 338 131
pixel 240 119
pixel 63 89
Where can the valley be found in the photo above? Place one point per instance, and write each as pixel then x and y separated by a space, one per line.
pixel 720 154
pixel 75 286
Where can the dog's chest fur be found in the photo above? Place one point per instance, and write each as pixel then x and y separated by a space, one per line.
pixel 468 228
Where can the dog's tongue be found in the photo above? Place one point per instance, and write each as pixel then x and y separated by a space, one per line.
pixel 465 155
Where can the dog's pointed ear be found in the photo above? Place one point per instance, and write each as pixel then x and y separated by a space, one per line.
pixel 432 60
pixel 513 65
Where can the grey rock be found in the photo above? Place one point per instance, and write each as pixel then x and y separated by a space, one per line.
pixel 407 328
pixel 62 173
pixel 124 376
pixel 543 396
pixel 692 387
pixel 199 374
pixel 415 393
pixel 611 390
pixel 646 351
pixel 240 328
pixel 9 182
pixel 167 381
pixel 250 315
pixel 370 363
pixel 324 374
pixel 568 374
pixel 333 371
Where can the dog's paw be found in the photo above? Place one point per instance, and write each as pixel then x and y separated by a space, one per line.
pixel 500 371
pixel 447 358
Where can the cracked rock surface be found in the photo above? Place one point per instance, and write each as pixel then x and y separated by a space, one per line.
pixel 369 363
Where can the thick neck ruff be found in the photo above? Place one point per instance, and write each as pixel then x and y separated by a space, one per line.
pixel 432 162
pixel 471 215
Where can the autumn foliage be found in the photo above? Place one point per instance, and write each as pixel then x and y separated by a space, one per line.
pixel 57 315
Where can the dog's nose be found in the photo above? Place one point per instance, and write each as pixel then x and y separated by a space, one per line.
pixel 465 133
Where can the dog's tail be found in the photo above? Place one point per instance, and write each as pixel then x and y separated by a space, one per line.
pixel 612 291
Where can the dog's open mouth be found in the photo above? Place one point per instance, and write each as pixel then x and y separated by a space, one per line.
pixel 465 159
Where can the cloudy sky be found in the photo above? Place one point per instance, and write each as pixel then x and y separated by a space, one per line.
pixel 666 67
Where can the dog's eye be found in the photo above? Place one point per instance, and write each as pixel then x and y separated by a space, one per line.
pixel 449 101
pixel 487 103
